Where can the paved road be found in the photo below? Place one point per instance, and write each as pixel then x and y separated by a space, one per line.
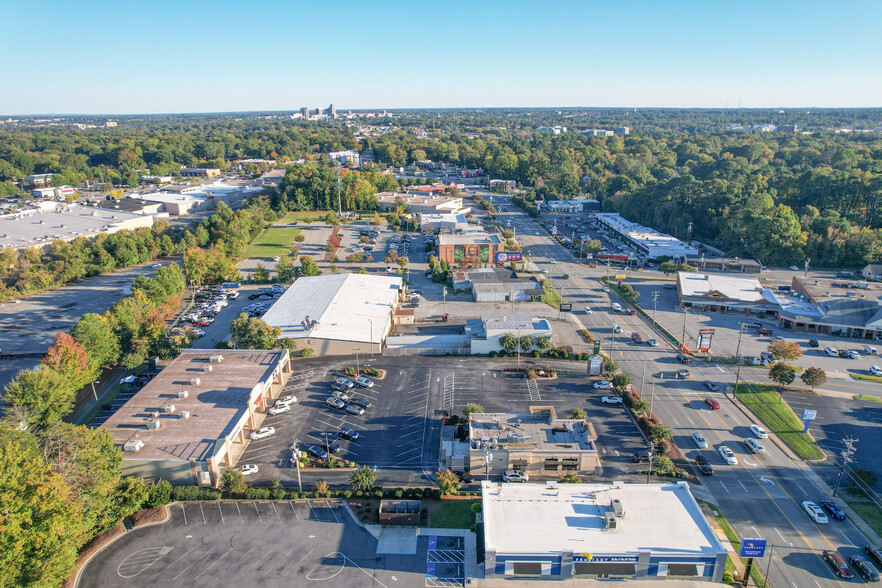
pixel 762 494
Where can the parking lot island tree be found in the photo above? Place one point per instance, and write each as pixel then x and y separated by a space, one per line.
pixel 579 414
pixel 253 333
pixel 363 479
pixel 309 267
pixel 813 377
pixel 785 350
pixel 570 478
pixel 621 381
pixel 233 482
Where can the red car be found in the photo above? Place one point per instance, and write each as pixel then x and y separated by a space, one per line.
pixel 202 323
pixel 763 331
pixel 636 338
pixel 630 312
pixel 712 404
pixel 838 564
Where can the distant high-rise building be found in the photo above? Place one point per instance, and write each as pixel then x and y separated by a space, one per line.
pixel 622 131
pixel 304 112
pixel 331 111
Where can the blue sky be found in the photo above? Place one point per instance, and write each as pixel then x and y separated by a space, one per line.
pixel 123 57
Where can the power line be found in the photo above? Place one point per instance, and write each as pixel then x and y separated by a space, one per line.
pixel 846 459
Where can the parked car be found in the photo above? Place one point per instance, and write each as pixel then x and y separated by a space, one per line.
pixel 286 400
pixel 340 395
pixel 331 446
pixel 699 440
pixel 344 383
pixel 248 469
pixel 840 568
pixel 316 451
pixel 704 465
pixel 711 386
pixel 611 400
pixel 588 310
pixel 814 343
pixel 262 432
pixel 870 350
pixel 515 476
pixel 834 509
pixel 727 455
pixel 354 409
pixel 348 434
pixel 335 403
pixel 682 358
pixel 864 568
pixel 464 477
pixel 875 370
pixel 844 354
pixel 362 402
pixel 874 552
pixel 603 385
pixel 684 374
pixel 814 512
pixel 852 354
pixel 758 431
pixel 642 456
pixel 364 382
pixel 281 408
pixel 831 351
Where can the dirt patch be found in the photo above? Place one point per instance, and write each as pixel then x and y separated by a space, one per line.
pixel 365 509
pixel 93 547
pixel 149 515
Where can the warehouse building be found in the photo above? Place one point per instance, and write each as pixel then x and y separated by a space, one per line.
pixel 536 443
pixel 570 206
pixel 193 419
pixel 422 203
pixel 649 243
pixel 597 531
pixel 338 314
pixel 64 222
pixel 726 294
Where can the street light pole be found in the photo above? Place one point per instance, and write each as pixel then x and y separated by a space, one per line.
pixel 519 348
pixel 295 453
pixel 738 358
pixel 769 565
pixel 95 394
pixel 371 322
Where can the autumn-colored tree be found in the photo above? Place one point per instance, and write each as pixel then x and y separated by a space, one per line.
pixel 785 350
pixel 69 359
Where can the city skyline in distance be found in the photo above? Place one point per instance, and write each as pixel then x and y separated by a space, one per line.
pixel 222 57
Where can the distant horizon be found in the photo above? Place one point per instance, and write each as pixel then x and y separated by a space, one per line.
pixel 441 108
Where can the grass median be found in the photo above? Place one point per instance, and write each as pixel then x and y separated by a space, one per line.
pixel 551 297
pixel 877 379
pixel 272 242
pixel 763 400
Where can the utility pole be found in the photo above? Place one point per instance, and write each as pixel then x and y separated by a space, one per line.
pixel 738 358
pixel 643 377
pixel 846 459
pixel 519 348
pixel 295 455
pixel 655 295
pixel 683 338
pixel 337 171
pixel 807 261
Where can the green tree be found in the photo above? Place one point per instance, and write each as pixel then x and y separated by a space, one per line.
pixel 785 350
pixel 363 479
pixel 253 333
pixel 640 408
pixel 621 381
pixel 448 482
pixel 40 524
pixel 783 375
pixel 94 333
pixel 593 246
pixel 578 414
pixel 261 274
pixel 309 266
pixel 660 432
pixel 284 270
pixel 662 465
pixel 233 482
pixel 543 342
pixel 287 343
pixel 332 219
pixel 610 366
pixel 471 408
pixel 570 478
pixel 306 352
pixel 41 396
pixel 526 342
pixel 814 376
pixel 508 341
pixel 300 238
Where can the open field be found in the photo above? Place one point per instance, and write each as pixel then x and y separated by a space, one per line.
pixel 275 240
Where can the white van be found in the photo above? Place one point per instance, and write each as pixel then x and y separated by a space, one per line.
pixel 831 351
pixel 876 370
pixel 616 306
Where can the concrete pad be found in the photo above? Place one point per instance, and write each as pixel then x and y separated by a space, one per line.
pixel 397 540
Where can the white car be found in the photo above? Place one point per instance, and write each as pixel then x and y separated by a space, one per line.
pixel 157 265
pixel 794 268
pixel 263 432
pixel 815 513
pixel 588 310
pixel 727 455
pixel 652 343
pixel 341 395
pixel 364 382
pixel 758 431
pixel 870 350
pixel 248 469
pixel 605 289
pixel 279 409
pixel 699 440
pixel 515 476
pixel 277 258
pixel 876 370
pixel 544 271
pixel 286 400
pixel 603 385
pixel 611 400
pixel 551 260
pixel 754 446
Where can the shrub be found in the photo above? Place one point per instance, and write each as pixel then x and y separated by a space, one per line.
pixel 277 493
pixel 399 493
pixel 194 493
pixel 727 577
pixel 378 494
pixel 535 353
pixel 252 493
pixel 359 494
pixel 347 494
pixel 160 494
pixel 492 354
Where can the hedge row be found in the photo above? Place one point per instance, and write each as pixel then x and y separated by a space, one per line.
pixel 184 493
pixel 554 353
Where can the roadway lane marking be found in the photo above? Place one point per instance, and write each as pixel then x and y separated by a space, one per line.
pixel 743 486
pixel 725 488
pixel 721 369
pixel 847 540
pixel 800 488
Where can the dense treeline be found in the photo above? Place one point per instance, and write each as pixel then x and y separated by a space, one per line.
pixel 313 186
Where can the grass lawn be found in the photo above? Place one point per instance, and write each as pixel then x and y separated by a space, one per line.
pixel 865 377
pixel 272 242
pixel 297 217
pixel 870 398
pixel 551 296
pixel 453 514
pixel 871 514
pixel 763 401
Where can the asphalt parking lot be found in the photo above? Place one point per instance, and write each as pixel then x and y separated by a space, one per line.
pixel 399 434
pixel 247 543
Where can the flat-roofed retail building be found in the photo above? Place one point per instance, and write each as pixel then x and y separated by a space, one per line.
pixel 590 531
pixel 193 419
pixel 473 248
pixel 338 314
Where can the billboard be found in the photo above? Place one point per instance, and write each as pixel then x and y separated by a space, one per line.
pixel 472 253
pixel 704 339
pixel 566 307
pixel 752 547
pixel 506 256
pixel 595 365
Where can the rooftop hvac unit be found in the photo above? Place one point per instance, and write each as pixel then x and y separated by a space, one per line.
pixel 194 381
pixel 168 408
pixel 183 394
pixel 618 508
pixel 610 521
pixel 216 358
pixel 185 414
pixel 153 424
pixel 207 369
pixel 154 414
pixel 133 445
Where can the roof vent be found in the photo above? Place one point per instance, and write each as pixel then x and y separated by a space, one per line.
pixel 185 414
pixel 207 368
pixel 194 381
pixel 183 393
pixel 216 358
pixel 133 445
pixel 154 414
pixel 168 408
pixel 153 424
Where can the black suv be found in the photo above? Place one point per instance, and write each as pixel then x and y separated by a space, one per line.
pixel 331 446
pixel 814 343
pixel 704 465
pixel 682 358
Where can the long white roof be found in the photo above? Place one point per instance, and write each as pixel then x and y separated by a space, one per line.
pixel 732 287
pixel 343 306
pixel 535 518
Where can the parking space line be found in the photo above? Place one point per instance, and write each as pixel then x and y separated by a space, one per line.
pixel 185 514
pixel 294 509
pixel 266 555
pixel 332 511
pixel 254 504
pixel 239 510
pixel 273 504
pixel 221 511
pixel 201 508
pixel 214 562
pixel 193 564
